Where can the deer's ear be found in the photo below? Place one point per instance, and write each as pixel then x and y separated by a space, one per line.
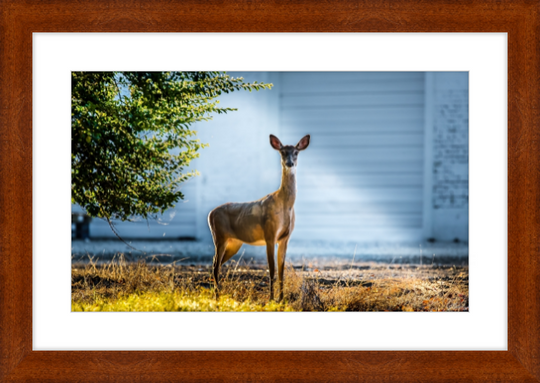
pixel 303 143
pixel 275 142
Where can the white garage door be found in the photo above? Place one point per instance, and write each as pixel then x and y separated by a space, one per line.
pixel 362 176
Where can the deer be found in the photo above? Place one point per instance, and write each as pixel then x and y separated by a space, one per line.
pixel 265 222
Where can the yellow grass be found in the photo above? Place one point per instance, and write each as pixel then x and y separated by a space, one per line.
pixel 123 286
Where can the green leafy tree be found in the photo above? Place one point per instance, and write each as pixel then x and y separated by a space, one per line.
pixel 131 136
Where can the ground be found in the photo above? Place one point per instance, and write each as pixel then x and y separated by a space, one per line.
pixel 120 283
pixel 298 251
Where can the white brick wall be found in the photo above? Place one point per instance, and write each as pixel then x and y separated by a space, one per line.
pixel 450 156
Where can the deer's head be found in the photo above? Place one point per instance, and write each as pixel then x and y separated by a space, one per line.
pixel 289 153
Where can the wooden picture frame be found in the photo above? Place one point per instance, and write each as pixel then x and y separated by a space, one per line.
pixel 520 19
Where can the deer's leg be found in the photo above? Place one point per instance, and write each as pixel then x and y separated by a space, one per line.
pixel 233 246
pixel 270 249
pixel 282 252
pixel 218 256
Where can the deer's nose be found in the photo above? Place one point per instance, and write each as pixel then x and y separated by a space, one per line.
pixel 289 164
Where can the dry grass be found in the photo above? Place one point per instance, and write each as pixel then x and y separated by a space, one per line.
pixel 123 286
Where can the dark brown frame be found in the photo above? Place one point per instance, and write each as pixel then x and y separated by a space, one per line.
pixel 519 18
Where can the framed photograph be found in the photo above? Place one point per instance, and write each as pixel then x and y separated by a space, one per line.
pixel 494 338
pixel 374 217
pixel 378 162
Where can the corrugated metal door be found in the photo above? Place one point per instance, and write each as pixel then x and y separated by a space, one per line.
pixel 362 176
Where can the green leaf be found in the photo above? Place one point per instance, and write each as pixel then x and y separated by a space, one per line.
pixel 125 126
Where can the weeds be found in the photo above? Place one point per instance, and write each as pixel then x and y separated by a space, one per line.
pixel 127 286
